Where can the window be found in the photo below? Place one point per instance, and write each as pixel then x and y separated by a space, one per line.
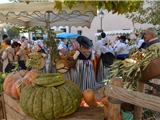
pixel 99 31
pixel 63 29
pixel 79 32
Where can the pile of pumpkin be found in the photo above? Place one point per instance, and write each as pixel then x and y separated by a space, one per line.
pixel 43 96
pixel 90 100
pixel 49 96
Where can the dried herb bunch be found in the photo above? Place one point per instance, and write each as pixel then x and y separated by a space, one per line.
pixel 131 68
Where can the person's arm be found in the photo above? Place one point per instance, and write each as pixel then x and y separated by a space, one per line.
pixel 20 52
pixel 93 55
pixel 98 49
pixel 75 56
pixel 104 49
pixel 44 55
pixel 4 55
pixel 118 48
pixel 140 42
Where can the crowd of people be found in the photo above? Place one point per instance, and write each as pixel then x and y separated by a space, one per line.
pixel 92 60
pixel 15 52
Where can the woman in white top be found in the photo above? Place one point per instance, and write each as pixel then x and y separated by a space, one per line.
pixel 122 49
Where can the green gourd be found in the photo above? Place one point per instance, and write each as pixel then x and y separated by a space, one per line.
pixel 50 97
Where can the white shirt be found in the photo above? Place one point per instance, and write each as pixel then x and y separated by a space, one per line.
pixel 106 49
pixel 61 45
pixel 116 43
pixel 39 42
pixel 99 44
pixel 122 48
pixel 139 43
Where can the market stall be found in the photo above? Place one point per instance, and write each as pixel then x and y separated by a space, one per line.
pixel 44 13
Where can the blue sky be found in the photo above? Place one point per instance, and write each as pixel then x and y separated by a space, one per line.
pixel 4 1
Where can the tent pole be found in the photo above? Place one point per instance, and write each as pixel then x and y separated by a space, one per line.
pixel 51 42
pixel 48 25
pixel 69 27
pixel 49 39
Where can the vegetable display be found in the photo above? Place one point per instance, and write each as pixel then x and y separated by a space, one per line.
pixel 35 61
pixel 50 97
pixel 131 68
pixel 11 84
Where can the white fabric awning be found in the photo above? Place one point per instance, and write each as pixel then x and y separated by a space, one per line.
pixel 42 7
pixel 38 13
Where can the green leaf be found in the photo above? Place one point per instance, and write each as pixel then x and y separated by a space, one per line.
pixel 119 7
pixel 58 5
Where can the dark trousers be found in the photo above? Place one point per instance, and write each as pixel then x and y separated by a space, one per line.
pixel 122 56
pixel 9 67
pixel 22 65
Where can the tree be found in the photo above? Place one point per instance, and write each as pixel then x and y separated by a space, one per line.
pixel 119 7
pixel 149 13
pixel 13 32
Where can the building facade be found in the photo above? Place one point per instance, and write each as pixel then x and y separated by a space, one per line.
pixel 109 22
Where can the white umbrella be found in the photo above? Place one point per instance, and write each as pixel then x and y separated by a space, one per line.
pixel 43 13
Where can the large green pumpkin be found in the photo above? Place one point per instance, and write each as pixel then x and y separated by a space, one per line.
pixel 50 97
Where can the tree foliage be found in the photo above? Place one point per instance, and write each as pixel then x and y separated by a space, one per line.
pixel 13 32
pixel 149 13
pixel 119 7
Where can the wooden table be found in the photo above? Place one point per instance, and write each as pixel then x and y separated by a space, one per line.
pixel 14 112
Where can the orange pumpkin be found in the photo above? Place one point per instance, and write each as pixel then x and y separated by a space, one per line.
pixel 114 112
pixel 90 98
pixel 106 106
pixel 10 84
pixel 14 81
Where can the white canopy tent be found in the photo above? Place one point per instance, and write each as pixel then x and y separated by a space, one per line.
pixel 116 32
pixel 43 14
pixel 111 35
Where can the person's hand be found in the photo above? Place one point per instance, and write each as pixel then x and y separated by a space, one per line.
pixel 44 55
pixel 70 59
